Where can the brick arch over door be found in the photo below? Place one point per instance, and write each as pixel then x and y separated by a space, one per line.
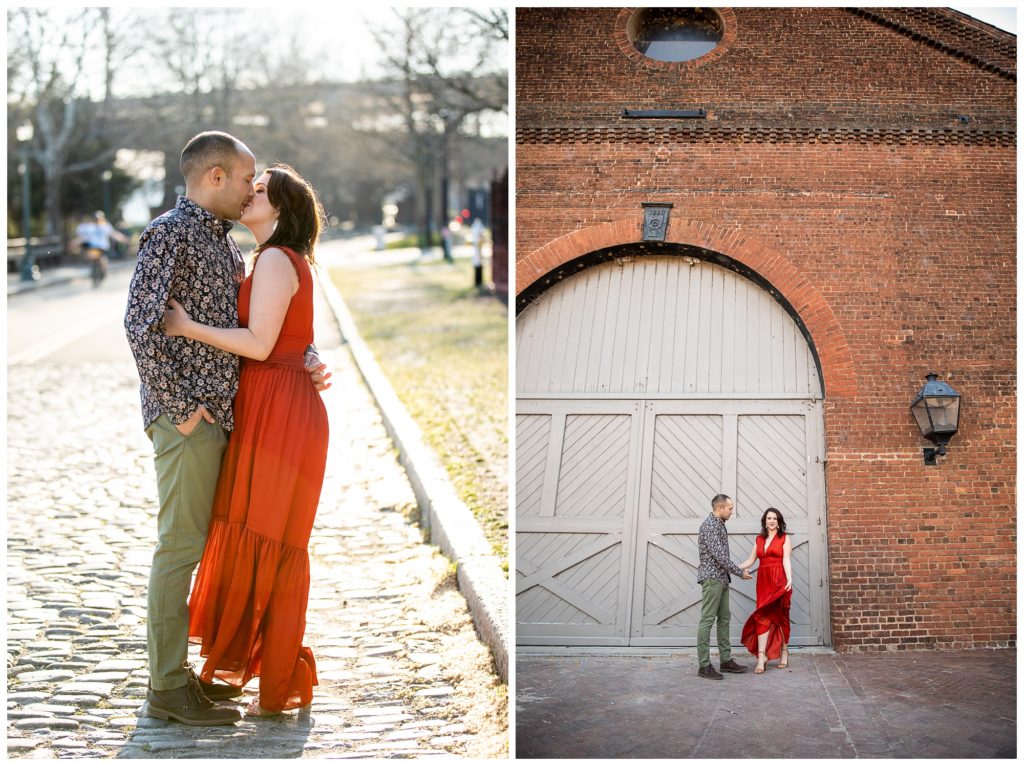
pixel 829 342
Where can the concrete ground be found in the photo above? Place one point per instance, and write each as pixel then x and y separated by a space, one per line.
pixel 824 705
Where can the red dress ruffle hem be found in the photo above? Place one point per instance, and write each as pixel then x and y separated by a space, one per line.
pixel 772 613
pixel 248 604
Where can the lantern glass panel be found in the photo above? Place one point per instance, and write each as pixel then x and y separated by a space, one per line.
pixel 945 411
pixel 920 410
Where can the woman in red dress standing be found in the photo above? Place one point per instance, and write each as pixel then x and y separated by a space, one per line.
pixel 248 602
pixel 766 631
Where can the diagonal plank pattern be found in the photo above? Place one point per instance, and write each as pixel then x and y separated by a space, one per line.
pixel 771 464
pixel 593 476
pixel 532 435
pixel 687 465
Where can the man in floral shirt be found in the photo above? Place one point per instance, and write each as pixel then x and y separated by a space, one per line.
pixel 187 389
pixel 713 576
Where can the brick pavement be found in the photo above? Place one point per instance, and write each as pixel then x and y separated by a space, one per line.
pixel 401 670
pixel 899 705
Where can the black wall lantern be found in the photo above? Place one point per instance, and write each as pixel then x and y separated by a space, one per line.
pixel 937 412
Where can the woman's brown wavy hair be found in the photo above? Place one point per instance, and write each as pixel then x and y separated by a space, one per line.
pixel 301 217
pixel 764 526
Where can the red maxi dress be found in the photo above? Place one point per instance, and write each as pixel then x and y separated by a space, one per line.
pixel 248 603
pixel 772 613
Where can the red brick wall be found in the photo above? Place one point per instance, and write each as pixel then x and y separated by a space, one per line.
pixel 833 144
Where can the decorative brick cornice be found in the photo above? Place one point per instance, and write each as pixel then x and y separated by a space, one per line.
pixel 940 29
pixel 725 134
pixel 554 261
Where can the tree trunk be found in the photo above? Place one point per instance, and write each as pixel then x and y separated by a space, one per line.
pixel 52 158
pixel 53 176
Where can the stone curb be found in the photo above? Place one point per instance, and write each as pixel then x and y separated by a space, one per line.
pixel 448 520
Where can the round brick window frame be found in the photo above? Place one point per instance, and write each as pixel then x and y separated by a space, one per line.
pixel 727 41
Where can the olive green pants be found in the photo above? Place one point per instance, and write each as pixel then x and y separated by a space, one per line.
pixel 187 468
pixel 714 606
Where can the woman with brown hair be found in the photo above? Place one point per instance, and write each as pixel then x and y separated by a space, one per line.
pixel 248 604
pixel 766 631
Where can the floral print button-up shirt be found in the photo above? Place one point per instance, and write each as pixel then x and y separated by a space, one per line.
pixel 186 254
pixel 713 547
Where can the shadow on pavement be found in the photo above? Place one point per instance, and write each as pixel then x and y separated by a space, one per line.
pixel 284 736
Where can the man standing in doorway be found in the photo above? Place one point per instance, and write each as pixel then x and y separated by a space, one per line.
pixel 187 390
pixel 713 576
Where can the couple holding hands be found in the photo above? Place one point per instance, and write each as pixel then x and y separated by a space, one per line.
pixel 766 631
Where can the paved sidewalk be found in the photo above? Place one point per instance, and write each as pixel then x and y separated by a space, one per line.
pixel 402 672
pixel 901 705
pixel 52 276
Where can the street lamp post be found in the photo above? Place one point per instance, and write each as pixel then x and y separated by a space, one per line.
pixel 29 270
pixel 107 175
pixel 445 231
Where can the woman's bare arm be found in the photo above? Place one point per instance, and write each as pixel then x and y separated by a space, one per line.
pixel 752 558
pixel 274 282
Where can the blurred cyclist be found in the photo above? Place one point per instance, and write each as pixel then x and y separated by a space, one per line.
pixel 94 238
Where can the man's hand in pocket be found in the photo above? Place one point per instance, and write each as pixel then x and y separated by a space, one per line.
pixel 190 425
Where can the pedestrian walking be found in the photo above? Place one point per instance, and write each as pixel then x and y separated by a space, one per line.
pixel 766 631
pixel 713 574
pixel 187 389
pixel 248 605
pixel 477 238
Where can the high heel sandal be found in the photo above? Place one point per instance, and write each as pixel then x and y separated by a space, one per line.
pixel 784 659
pixel 254 710
pixel 763 667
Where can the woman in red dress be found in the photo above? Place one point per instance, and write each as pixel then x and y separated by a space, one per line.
pixel 766 631
pixel 248 602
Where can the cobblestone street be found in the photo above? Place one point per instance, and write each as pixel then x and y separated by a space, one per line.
pixel 401 670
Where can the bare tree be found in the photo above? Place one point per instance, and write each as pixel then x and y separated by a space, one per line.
pixel 471 63
pixel 121 42
pixel 199 69
pixel 48 84
pixel 204 55
pixel 200 58
pixel 440 71
pixel 51 54
pixel 492 22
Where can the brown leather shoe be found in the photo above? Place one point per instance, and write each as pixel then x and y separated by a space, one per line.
pixel 214 691
pixel 733 667
pixel 708 671
pixel 188 705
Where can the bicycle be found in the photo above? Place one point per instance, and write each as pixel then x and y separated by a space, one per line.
pixel 97 265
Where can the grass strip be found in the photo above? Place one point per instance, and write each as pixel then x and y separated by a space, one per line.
pixel 443 344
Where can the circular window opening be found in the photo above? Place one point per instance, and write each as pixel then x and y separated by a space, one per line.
pixel 675 34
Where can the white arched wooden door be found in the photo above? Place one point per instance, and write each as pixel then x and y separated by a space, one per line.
pixel 645 387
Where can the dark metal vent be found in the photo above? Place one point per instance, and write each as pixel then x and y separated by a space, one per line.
pixel 655 114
